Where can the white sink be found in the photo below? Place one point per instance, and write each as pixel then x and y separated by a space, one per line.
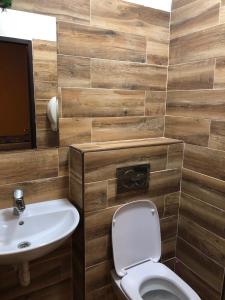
pixel 45 226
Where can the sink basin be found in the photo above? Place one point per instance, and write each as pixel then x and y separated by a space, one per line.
pixel 41 228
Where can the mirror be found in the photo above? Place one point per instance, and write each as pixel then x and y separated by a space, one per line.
pixel 28 76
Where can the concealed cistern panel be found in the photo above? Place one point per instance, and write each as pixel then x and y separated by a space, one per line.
pixel 133 178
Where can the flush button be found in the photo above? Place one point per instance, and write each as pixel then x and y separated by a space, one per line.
pixel 133 178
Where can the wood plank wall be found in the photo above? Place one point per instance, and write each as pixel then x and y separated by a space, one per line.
pixel 112 74
pixel 112 55
pixel 196 114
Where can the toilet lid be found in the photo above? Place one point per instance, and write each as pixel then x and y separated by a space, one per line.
pixel 135 235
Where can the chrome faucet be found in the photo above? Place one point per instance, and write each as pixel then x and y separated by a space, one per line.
pixel 18 203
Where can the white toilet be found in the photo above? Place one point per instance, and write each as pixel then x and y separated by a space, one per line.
pixel 136 243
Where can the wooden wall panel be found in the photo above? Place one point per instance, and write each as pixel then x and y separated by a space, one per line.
pixel 204 44
pixel 195 113
pixel 207 104
pixel 191 130
pixel 194 16
pixel 80 40
pixel 130 18
pixel 204 188
pixel 217 135
pixel 196 159
pixel 73 71
pixel 155 103
pixel 131 76
pixel 135 42
pixel 198 75
pixel 28 165
pixel 76 130
pixel 78 11
pixel 112 129
pixel 79 102
pixel 219 79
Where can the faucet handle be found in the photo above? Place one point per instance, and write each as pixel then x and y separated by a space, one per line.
pixel 18 194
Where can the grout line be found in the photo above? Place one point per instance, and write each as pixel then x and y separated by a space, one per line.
pixel 204 175
pixel 116 60
pixel 202 253
pixel 214 73
pixel 202 201
pixel 178 215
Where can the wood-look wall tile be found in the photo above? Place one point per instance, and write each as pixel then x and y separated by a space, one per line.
pixel 175 156
pixel 205 103
pixel 44 60
pixel 44 50
pixel 168 249
pixel 27 166
pixel 73 71
pixel 98 224
pixel 46 139
pixel 217 135
pixel 98 250
pixel 194 16
pixel 130 18
pixel 207 216
pixel 168 227
pixel 204 290
pixel 155 103
pixel 222 14
pixel 119 199
pixel 219 79
pixel 63 161
pixel 172 202
pixel 80 40
pixel 202 239
pixel 170 263
pixel 198 75
pixel 205 188
pixel 45 272
pixel 197 159
pixel 35 191
pixel 59 291
pixel 102 103
pixel 204 44
pixel 98 276
pixel 124 75
pixel 102 165
pixel 210 272
pixel 157 52
pixel 74 130
pixel 179 3
pixel 95 195
pixel 105 292
pixel 76 178
pixel 45 90
pixel 78 11
pixel 45 70
pixel 164 182
pixel 114 129
pixel 190 130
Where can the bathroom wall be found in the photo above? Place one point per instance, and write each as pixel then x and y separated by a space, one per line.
pixel 112 74
pixel 42 177
pixel 112 64
pixel 196 114
pixel 93 185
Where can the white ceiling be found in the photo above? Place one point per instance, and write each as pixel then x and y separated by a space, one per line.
pixel 158 4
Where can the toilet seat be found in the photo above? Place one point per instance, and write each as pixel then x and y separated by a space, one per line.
pixel 151 276
pixel 136 244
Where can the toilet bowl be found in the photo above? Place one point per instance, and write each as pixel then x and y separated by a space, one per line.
pixel 136 244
